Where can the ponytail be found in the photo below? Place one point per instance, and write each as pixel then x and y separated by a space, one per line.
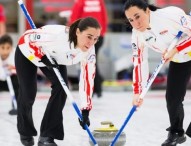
pixel 82 24
pixel 153 7
pixel 72 32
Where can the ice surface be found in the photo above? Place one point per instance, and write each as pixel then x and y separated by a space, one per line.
pixel 145 128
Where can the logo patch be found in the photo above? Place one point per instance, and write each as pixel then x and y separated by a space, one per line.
pixel 148 39
pixel 183 21
pixel 163 32
pixel 70 56
pixel 34 37
pixel 91 58
pixel 134 47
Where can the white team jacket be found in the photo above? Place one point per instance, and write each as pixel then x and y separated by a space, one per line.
pixel 8 61
pixel 165 24
pixel 54 38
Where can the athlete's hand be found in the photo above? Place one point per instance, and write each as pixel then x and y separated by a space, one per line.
pixel 85 119
pixel 137 100
pixel 168 55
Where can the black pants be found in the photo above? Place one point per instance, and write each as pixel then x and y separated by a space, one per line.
pixel 4 86
pixel 98 79
pixel 52 122
pixel 178 77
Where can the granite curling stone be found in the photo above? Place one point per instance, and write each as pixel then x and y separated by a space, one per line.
pixel 105 135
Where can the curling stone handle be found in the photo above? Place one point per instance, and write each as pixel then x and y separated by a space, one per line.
pixel 107 123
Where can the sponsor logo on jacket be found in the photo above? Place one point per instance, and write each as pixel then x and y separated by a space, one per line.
pixel 92 6
pixel 92 58
pixel 183 21
pixel 148 39
pixel 163 32
pixel 134 47
pixel 70 56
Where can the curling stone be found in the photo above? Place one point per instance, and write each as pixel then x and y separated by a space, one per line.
pixel 105 135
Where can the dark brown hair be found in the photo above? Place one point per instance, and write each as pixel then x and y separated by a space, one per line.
pixel 82 24
pixel 141 4
pixel 6 39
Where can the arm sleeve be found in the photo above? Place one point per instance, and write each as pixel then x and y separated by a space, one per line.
pixel 182 23
pixel 140 62
pixel 86 83
pixel 2 20
pixel 2 74
pixel 104 17
pixel 185 42
pixel 11 61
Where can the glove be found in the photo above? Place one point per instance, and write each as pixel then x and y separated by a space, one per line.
pixel 47 62
pixel 85 119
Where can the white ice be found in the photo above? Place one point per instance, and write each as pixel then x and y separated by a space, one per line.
pixel 145 128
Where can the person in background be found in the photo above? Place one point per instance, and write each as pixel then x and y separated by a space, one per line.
pixel 97 10
pixel 66 46
pixel 7 67
pixel 155 28
pixel 2 21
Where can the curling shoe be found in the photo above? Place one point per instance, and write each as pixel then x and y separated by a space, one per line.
pixel 173 139
pixel 27 140
pixel 46 141
pixel 188 131
pixel 13 112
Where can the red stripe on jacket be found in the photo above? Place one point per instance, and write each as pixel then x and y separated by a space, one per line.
pixel 88 87
pixel 184 45
pixel 37 52
pixel 137 72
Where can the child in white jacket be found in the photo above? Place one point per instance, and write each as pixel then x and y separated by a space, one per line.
pixel 7 67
